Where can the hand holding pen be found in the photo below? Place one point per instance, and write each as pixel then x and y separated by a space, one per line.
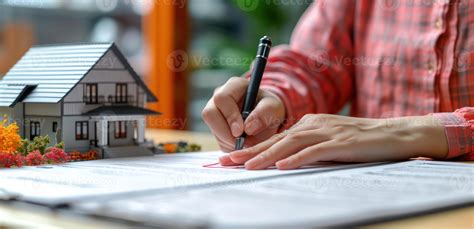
pixel 254 84
pixel 238 108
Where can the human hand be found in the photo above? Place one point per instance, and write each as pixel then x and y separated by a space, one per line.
pixel 223 116
pixel 321 137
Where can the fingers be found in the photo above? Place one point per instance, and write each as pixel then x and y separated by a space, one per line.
pixel 268 113
pixel 227 98
pixel 226 161
pixel 222 113
pixel 218 126
pixel 260 137
pixel 241 156
pixel 289 145
pixel 225 145
pixel 249 142
pixel 223 116
pixel 325 151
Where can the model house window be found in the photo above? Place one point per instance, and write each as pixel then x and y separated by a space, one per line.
pixel 120 129
pixel 34 130
pixel 121 93
pixel 55 127
pixel 91 94
pixel 82 130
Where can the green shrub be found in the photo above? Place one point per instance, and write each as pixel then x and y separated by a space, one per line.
pixel 39 143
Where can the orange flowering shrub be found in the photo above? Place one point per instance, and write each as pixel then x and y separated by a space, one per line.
pixel 91 155
pixel 9 136
pixel 78 156
pixel 75 156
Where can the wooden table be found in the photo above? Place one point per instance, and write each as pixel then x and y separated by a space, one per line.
pixel 26 217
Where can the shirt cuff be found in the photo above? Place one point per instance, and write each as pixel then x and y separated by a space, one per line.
pixel 458 133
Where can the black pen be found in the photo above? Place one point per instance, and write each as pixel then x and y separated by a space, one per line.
pixel 254 84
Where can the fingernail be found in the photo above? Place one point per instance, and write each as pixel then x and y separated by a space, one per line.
pixel 235 128
pixel 252 127
pixel 223 159
pixel 282 164
pixel 254 163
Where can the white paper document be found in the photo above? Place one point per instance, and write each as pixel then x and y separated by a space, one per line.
pixel 335 198
pixel 56 184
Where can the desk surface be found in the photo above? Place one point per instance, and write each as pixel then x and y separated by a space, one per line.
pixel 21 217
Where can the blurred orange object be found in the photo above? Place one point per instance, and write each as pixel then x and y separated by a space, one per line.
pixel 15 40
pixel 9 136
pixel 170 147
pixel 166 33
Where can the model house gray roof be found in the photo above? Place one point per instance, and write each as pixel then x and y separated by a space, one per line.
pixel 46 74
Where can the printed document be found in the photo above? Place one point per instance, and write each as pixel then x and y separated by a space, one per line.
pixel 57 184
pixel 333 198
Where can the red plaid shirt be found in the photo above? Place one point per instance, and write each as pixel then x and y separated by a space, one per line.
pixel 388 58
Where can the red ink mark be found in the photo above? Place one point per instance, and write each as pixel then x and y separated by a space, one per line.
pixel 219 166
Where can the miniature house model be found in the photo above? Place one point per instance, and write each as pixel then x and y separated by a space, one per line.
pixel 85 95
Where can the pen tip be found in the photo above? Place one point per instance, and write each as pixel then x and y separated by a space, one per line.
pixel 239 143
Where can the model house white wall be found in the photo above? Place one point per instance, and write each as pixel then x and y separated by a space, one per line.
pixel 106 74
pixel 111 67
pixel 43 109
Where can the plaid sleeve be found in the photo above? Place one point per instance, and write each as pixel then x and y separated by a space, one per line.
pixel 305 74
pixel 459 127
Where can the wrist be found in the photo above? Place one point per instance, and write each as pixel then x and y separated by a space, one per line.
pixel 425 137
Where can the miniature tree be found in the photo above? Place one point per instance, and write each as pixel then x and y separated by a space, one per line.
pixel 9 136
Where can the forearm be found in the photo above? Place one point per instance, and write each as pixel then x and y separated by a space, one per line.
pixel 322 137
pixel 419 135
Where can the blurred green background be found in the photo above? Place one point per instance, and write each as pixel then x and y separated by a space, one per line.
pixel 229 35
pixel 222 43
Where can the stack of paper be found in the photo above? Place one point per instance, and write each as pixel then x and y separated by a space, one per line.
pixel 60 184
pixel 177 190
pixel 337 198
